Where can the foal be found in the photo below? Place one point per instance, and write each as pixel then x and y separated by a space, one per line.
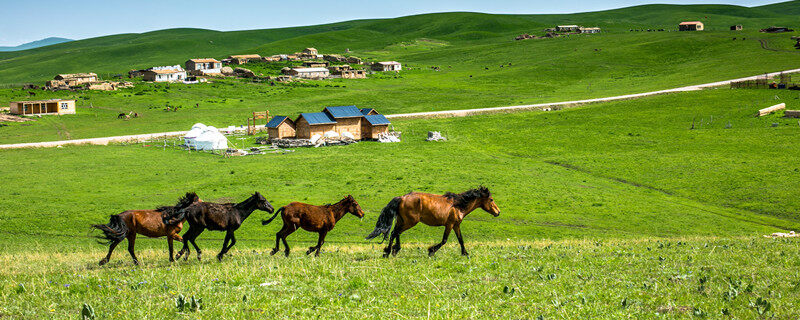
pixel 145 222
pixel 226 217
pixel 320 219
pixel 446 210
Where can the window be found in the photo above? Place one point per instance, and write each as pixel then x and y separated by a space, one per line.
pixel 64 106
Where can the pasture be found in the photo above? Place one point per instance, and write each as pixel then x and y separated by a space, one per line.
pixel 609 209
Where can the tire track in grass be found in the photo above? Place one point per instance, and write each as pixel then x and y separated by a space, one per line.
pixel 731 215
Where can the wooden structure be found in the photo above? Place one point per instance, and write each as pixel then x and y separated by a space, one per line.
pixel 310 124
pixel 252 122
pixel 348 119
pixel 791 113
pixel 281 127
pixel 53 106
pixel 369 111
pixel 374 125
pixel 691 26
pixel 771 109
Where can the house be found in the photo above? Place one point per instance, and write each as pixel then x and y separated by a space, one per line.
pixel 203 66
pixel 691 26
pixel 387 66
pixel 353 74
pixel 53 106
pixel 337 70
pixel 737 27
pixel 281 127
pixel 589 30
pixel 373 125
pixel 164 74
pixel 354 60
pixel 310 124
pixel 244 58
pixel 369 111
pixel 274 58
pixel 307 73
pixel 348 119
pixel 568 28
pixel 310 52
pixel 315 64
pixel 334 58
pixel 73 79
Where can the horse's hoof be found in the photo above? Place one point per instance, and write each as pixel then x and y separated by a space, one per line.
pixel 104 261
pixel 219 257
pixel 431 253
pixel 287 254
pixel 464 253
pixel 136 262
pixel 386 255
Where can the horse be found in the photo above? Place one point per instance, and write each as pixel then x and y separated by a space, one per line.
pixel 217 217
pixel 446 210
pixel 320 219
pixel 145 222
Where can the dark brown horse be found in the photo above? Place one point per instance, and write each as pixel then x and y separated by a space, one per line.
pixel 446 210
pixel 320 219
pixel 145 222
pixel 217 217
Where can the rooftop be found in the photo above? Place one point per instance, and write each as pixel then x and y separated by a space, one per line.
pixel 311 69
pixel 377 120
pixel 43 101
pixel 276 121
pixel 344 112
pixel 690 22
pixel 203 60
pixel 317 118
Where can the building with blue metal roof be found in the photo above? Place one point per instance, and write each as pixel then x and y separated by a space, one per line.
pixel 374 125
pixel 368 111
pixel 343 112
pixel 310 124
pixel 281 127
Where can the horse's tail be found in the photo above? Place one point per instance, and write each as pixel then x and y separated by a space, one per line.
pixel 114 231
pixel 384 223
pixel 266 222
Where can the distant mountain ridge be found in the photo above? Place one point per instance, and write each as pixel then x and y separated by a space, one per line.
pixel 36 44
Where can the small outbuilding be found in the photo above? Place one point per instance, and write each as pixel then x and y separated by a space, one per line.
pixel 310 51
pixel 691 26
pixel 36 107
pixel 374 125
pixel 387 66
pixel 308 73
pixel 315 64
pixel 348 119
pixel 281 127
pixel 737 27
pixel 244 58
pixel 589 30
pixel 310 124
pixel 164 74
pixel 76 79
pixel 568 28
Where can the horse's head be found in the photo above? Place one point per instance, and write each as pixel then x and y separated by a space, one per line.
pixel 486 201
pixel 191 197
pixel 352 206
pixel 262 203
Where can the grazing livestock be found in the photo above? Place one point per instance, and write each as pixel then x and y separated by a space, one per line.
pixel 218 217
pixel 149 223
pixel 320 219
pixel 446 210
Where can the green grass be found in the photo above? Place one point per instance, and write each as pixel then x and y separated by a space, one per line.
pixel 600 204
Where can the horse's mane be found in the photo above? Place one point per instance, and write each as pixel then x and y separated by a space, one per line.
pixel 462 200
pixel 183 202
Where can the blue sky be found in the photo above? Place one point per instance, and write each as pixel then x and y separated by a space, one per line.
pixel 25 21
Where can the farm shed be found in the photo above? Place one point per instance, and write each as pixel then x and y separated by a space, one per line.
pixel 203 66
pixel 310 124
pixel 373 125
pixel 354 74
pixel 243 58
pixel 568 28
pixel 589 30
pixel 75 79
pixel 164 74
pixel 53 106
pixel 315 64
pixel 281 127
pixel 691 26
pixel 348 119
pixel 387 66
pixel 338 69
pixel 369 111
pixel 308 73
pixel 737 27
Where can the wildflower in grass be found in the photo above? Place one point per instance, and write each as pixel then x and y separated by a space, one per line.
pixel 66 285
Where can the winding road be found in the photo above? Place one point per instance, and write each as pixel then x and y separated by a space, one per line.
pixel 430 114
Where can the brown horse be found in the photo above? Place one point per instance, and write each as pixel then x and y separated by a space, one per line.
pixel 226 217
pixel 145 222
pixel 320 219
pixel 446 210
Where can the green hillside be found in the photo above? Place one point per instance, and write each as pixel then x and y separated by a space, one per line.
pixel 120 53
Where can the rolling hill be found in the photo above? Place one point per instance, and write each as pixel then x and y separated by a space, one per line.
pixel 36 44
pixel 119 53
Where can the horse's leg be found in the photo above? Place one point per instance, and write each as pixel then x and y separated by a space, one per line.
pixel 131 244
pixel 278 237
pixel 169 241
pixel 432 250
pixel 397 225
pixel 320 240
pixel 289 231
pixel 228 236
pixel 457 229
pixel 110 250
pixel 194 244
pixel 185 248
pixel 173 237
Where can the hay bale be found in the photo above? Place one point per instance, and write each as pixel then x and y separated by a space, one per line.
pixel 771 109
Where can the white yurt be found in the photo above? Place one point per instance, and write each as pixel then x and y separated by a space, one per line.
pixel 203 137
pixel 190 137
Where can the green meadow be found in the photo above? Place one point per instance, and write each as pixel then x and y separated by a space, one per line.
pixel 649 208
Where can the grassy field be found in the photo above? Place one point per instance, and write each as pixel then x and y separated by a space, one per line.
pixel 612 209
pixel 474 62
